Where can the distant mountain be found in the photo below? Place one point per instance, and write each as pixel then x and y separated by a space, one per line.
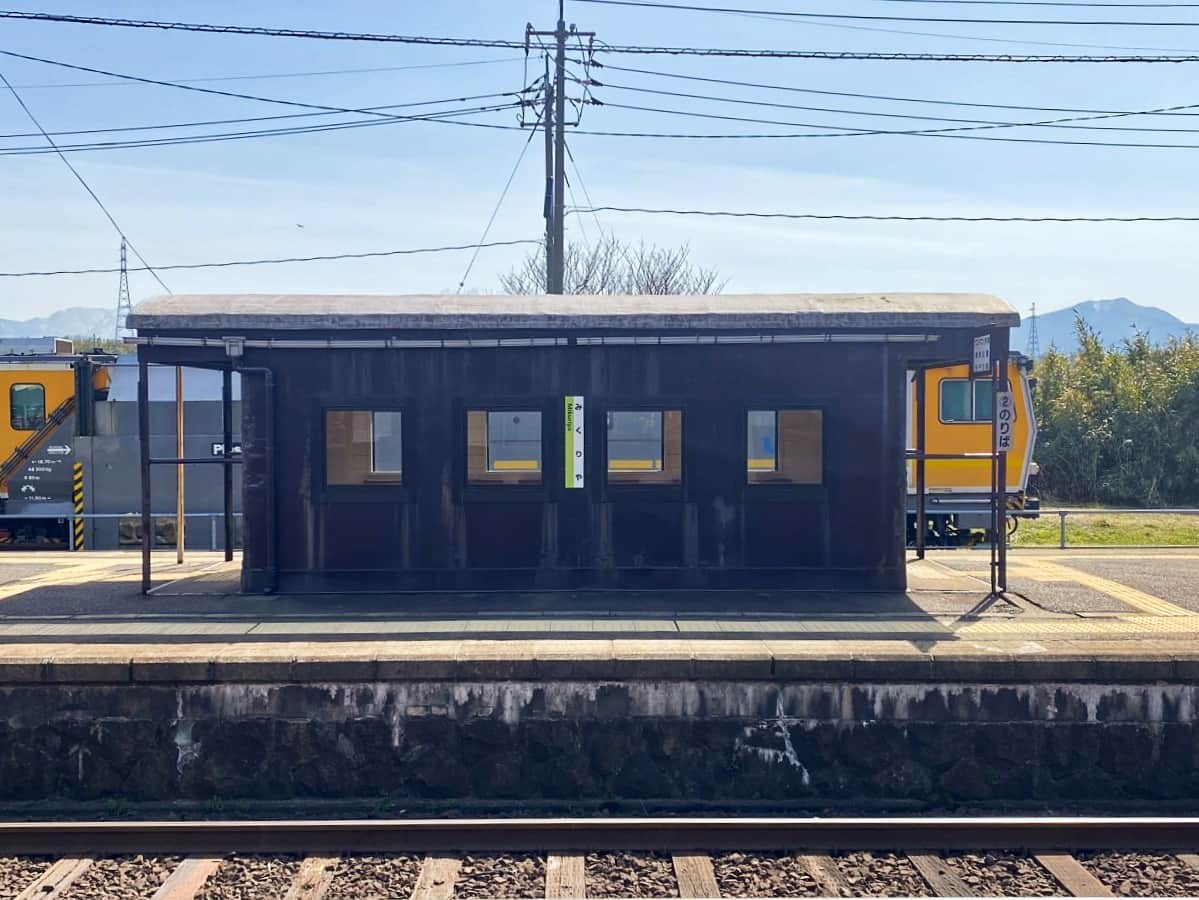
pixel 1114 319
pixel 74 322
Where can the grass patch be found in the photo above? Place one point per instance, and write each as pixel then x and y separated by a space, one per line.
pixel 1103 529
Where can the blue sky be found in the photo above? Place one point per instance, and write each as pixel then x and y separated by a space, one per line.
pixel 414 185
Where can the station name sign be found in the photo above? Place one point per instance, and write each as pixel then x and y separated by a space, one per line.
pixel 575 443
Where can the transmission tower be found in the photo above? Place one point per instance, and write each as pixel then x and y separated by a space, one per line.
pixel 124 307
pixel 1033 350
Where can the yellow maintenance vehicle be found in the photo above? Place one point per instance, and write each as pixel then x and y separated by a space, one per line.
pixel 957 419
pixel 49 392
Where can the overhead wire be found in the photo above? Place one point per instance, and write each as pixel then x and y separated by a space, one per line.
pixel 270 261
pixel 503 193
pixel 87 187
pixel 856 95
pixel 867 17
pixel 850 217
pixel 267 76
pixel 886 55
pixel 981 123
pixel 947 133
pixel 447 117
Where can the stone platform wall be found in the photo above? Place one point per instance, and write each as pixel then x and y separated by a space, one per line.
pixel 724 741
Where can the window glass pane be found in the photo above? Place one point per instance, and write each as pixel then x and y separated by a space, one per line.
pixel 761 453
pixel 645 446
pixel 503 446
pixel 387 442
pixel 955 401
pixel 27 406
pixel 798 440
pixel 983 394
pixel 363 446
pixel 635 441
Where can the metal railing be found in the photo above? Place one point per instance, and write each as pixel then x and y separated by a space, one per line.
pixel 1062 514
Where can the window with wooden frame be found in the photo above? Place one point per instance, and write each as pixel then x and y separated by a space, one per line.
pixel 503 446
pixel 645 446
pixel 364 446
pixel 784 446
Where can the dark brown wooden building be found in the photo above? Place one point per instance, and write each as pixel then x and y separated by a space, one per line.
pixel 495 443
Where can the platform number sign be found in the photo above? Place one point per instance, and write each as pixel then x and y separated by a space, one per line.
pixel 1005 420
pixel 982 354
pixel 574 442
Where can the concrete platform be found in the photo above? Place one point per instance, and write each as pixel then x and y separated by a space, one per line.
pixel 1072 614
pixel 1081 690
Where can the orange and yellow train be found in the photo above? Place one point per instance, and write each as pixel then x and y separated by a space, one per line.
pixel 958 420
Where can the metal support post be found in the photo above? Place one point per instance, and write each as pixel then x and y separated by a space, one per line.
pixel 180 522
pixel 227 469
pixel 997 536
pixel 1001 469
pixel 548 123
pixel 143 438
pixel 921 514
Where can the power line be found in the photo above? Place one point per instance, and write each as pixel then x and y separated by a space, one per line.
pixel 861 17
pixel 860 96
pixel 495 212
pixel 948 133
pixel 882 218
pixel 884 56
pixel 87 187
pixel 274 260
pixel 446 117
pixel 250 119
pixel 203 90
pixel 266 76
pixel 307 34
pixel 977 124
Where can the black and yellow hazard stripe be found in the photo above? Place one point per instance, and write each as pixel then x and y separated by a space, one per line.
pixel 77 497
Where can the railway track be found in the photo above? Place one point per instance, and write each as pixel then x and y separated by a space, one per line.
pixel 426 859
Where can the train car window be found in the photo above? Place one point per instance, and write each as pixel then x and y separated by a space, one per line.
pixel 363 446
pixel 27 407
pixel 962 403
pixel 785 446
pixel 503 446
pixel 645 446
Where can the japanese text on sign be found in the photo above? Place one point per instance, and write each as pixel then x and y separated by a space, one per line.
pixel 982 353
pixel 574 442
pixel 1005 420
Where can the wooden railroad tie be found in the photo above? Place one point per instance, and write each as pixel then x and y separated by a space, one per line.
pixel 1072 876
pixel 565 876
pixel 55 880
pixel 188 878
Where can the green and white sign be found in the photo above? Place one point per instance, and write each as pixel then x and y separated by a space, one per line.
pixel 574 442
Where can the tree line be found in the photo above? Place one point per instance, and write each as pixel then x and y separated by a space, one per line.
pixel 1119 425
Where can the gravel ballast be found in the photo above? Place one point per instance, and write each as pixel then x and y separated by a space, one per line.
pixel 763 875
pixel 251 878
pixel 16 873
pixel 357 877
pixel 502 875
pixel 122 877
pixel 999 874
pixel 881 875
pixel 630 875
pixel 1143 874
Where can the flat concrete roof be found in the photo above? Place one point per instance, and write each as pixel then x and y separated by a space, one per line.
pixel 230 314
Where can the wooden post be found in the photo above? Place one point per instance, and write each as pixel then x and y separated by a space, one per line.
pixel 179 499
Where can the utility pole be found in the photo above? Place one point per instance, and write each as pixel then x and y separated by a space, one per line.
pixel 547 121
pixel 124 307
pixel 557 267
pixel 554 121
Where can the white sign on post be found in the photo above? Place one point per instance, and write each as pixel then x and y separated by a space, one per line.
pixel 982 353
pixel 1005 420
pixel 575 442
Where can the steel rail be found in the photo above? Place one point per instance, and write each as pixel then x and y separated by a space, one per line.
pixel 555 834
